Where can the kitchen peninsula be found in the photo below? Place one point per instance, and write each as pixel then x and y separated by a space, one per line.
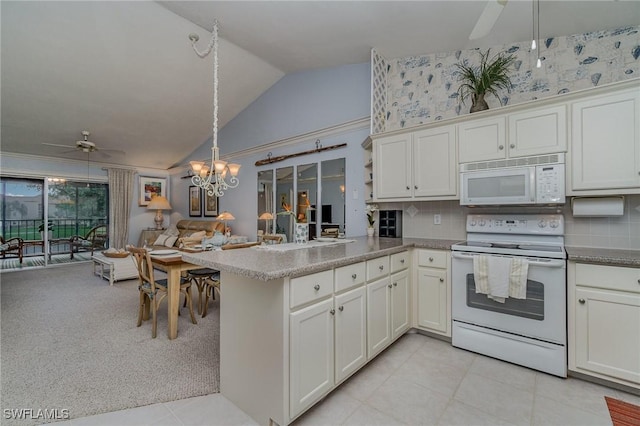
pixel 295 324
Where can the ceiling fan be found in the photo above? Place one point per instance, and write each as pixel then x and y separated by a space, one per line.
pixel 85 145
pixel 487 19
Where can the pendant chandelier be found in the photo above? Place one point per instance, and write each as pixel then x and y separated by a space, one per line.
pixel 213 177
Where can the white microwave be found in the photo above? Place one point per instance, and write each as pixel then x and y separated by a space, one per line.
pixel 518 181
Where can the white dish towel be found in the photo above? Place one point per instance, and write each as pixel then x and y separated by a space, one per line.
pixel 500 277
pixel 518 278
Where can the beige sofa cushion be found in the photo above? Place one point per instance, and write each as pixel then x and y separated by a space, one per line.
pixel 187 228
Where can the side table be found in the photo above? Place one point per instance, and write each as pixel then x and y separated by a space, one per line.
pixel 113 268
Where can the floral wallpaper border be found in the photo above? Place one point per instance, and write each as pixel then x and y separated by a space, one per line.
pixel 422 89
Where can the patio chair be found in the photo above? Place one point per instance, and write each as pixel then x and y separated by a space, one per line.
pixel 153 291
pixel 12 247
pixel 96 239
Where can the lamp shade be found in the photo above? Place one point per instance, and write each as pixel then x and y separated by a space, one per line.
pixel 225 216
pixel 159 203
pixel 266 216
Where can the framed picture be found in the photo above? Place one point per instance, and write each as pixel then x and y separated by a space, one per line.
pixel 210 205
pixel 195 202
pixel 150 187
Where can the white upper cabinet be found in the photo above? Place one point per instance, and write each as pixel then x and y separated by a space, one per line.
pixel 538 131
pixel 605 144
pixel 435 171
pixel 481 140
pixel 392 166
pixel 521 134
pixel 417 165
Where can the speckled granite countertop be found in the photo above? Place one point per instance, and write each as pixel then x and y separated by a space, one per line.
pixel 267 265
pixel 603 256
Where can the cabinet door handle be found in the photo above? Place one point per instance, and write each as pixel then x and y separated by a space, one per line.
pixel 441 280
pixel 395 284
pixel 512 145
pixel 431 259
pixel 581 301
pixel 415 186
pixel 381 267
pixel 408 187
pixel 402 261
pixel 316 287
pixel 353 276
pixel 390 286
pixel 332 311
pixel 501 147
pixel 638 280
pixel 341 308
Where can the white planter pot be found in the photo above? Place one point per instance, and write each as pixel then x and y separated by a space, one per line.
pixel 371 231
pixel 301 235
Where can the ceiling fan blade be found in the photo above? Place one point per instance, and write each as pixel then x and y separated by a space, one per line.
pixel 59 145
pixel 487 19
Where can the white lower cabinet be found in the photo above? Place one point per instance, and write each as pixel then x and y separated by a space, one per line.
pixel 604 322
pixel 400 321
pixel 432 296
pixel 311 355
pixel 333 334
pixel 432 299
pixel 388 314
pixel 350 332
pixel 378 316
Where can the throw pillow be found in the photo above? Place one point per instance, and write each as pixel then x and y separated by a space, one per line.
pixel 165 240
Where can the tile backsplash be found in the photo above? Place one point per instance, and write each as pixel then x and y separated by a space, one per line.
pixel 622 232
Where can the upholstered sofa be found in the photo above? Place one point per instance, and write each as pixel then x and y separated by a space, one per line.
pixel 188 232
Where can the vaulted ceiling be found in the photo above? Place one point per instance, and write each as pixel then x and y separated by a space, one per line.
pixel 126 72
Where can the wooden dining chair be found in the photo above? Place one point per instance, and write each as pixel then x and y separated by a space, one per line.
pixel 207 281
pixel 153 291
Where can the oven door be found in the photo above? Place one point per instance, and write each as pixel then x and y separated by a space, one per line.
pixel 542 315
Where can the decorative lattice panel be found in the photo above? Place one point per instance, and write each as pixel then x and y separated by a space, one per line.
pixel 378 92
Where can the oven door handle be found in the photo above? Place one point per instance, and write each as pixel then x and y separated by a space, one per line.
pixel 548 263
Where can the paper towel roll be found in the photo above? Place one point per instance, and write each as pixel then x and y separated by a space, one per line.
pixel 597 206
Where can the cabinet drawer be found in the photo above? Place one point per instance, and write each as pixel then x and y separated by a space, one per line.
pixel 311 287
pixel 608 277
pixel 349 276
pixel 399 261
pixel 432 258
pixel 377 268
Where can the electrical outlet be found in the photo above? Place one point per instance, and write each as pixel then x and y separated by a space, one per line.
pixel 437 219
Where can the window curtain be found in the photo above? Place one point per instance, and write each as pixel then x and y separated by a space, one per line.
pixel 121 187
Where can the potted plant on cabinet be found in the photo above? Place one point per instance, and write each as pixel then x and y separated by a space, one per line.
pixel 371 209
pixel 491 76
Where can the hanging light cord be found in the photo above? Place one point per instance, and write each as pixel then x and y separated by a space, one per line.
pixel 538 61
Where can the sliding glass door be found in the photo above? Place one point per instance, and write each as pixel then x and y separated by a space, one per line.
pixel 70 208
pixel 74 208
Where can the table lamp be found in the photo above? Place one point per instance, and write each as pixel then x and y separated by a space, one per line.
pixel 224 217
pixel 266 216
pixel 159 203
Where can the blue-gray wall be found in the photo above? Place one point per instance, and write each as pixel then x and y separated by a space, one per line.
pixel 297 104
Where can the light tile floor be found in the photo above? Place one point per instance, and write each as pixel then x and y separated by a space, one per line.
pixel 417 381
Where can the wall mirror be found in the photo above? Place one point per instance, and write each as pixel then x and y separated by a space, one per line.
pixel 314 191
pixel 284 195
pixel 307 195
pixel 265 200
pixel 332 209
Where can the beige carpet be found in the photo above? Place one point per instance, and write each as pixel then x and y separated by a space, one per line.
pixel 70 341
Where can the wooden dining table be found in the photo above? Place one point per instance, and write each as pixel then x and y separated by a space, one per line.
pixel 173 265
